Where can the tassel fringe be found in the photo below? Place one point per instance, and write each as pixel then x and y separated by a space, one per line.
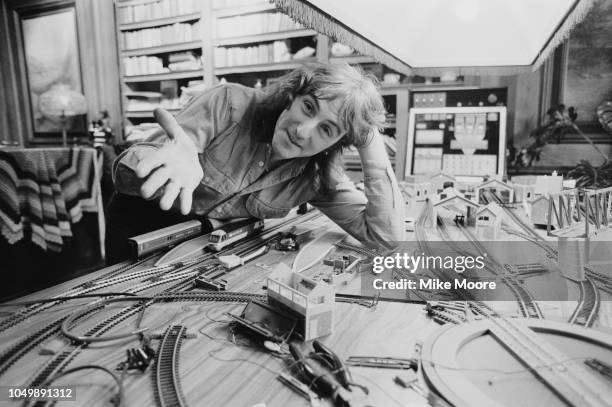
pixel 577 15
pixel 315 19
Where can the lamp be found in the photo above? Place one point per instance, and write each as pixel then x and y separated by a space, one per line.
pixel 64 102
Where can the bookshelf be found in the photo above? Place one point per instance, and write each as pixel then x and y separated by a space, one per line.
pixel 161 48
pixel 241 27
pixel 253 43
pixel 243 41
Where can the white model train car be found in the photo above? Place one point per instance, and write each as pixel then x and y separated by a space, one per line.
pixel 220 238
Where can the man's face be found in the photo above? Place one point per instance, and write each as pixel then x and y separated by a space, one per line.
pixel 307 128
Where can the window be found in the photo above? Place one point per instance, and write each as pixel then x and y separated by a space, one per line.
pixel 52 61
pixel 31 68
pixel 581 74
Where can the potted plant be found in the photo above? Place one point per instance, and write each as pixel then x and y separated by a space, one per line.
pixel 561 121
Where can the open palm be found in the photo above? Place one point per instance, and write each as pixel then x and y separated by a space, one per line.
pixel 175 166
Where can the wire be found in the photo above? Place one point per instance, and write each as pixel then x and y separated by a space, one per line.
pixel 119 399
pixel 212 355
pixel 90 339
pixel 67 298
pixel 505 372
pixel 65 328
pixel 386 393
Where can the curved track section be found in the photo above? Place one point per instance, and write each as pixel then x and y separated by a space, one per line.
pixel 588 305
pixel 181 276
pixel 90 286
pixel 166 381
pixel 441 312
pixel 527 305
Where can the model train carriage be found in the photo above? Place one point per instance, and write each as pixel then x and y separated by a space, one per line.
pixel 220 238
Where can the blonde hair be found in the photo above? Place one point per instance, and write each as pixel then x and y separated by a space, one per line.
pixel 361 108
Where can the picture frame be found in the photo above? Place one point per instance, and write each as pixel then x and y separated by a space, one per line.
pixel 52 59
pixel 583 72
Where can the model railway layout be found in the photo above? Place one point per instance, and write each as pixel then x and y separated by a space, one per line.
pixel 202 357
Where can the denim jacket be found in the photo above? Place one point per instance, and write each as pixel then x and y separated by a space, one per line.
pixel 238 183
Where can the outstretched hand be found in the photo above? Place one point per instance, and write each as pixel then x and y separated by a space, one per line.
pixel 175 166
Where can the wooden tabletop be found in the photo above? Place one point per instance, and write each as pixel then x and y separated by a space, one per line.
pixel 217 366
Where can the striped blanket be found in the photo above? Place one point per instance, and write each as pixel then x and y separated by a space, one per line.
pixel 44 191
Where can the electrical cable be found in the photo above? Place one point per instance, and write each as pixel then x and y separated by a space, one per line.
pixel 66 324
pixel 65 328
pixel 67 298
pixel 119 399
pixel 504 372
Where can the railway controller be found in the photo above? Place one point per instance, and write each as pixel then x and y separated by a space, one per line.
pixel 202 358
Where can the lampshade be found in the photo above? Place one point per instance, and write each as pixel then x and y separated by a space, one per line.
pixel 433 37
pixel 60 100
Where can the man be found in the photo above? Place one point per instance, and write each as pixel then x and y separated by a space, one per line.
pixel 236 152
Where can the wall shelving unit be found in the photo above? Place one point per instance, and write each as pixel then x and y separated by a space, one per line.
pixel 253 43
pixel 249 42
pixel 160 44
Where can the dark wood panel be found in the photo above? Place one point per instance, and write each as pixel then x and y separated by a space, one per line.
pixel 99 60
pixel 97 53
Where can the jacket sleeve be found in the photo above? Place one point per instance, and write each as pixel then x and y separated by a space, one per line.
pixel 206 116
pixel 376 218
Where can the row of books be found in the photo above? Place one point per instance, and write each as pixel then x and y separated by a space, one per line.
pixel 143 65
pixel 158 9
pixel 177 62
pixel 169 34
pixel 184 61
pixel 252 24
pixel 258 54
pixel 147 104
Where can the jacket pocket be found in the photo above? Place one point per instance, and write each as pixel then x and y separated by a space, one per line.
pixel 259 209
pixel 214 178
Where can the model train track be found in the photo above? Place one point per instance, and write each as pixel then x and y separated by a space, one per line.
pixel 21 348
pixel 80 289
pixel 166 381
pixel 588 304
pixel 574 385
pixel 602 281
pixel 113 277
pixel 357 249
pixel 423 243
pixel 61 361
pixel 492 196
pixel 117 276
pixel 527 306
pixel 17 351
